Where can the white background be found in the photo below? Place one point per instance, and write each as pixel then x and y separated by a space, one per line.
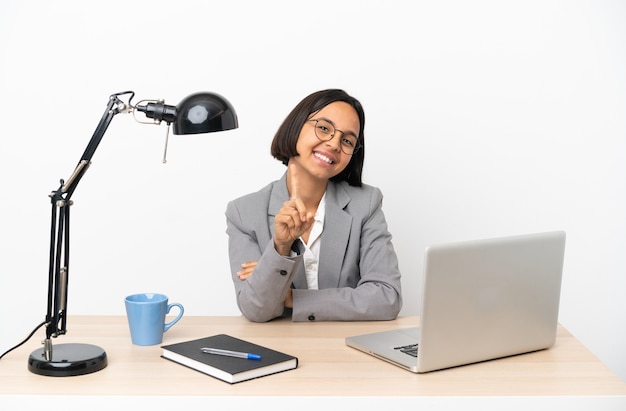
pixel 484 118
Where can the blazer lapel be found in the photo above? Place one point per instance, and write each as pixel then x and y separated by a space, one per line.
pixel 335 237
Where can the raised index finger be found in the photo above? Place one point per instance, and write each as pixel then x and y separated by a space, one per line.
pixel 293 180
pixel 293 191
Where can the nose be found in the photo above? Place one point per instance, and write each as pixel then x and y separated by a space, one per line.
pixel 335 141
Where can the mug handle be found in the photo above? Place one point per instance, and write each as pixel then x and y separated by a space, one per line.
pixel 175 320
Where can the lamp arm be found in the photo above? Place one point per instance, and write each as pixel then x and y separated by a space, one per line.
pixel 58 269
pixel 114 107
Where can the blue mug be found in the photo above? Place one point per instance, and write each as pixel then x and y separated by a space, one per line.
pixel 146 317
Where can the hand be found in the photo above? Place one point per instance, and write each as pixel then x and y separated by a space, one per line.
pixel 289 299
pixel 246 269
pixel 292 220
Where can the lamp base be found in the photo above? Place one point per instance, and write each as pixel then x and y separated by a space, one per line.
pixel 68 360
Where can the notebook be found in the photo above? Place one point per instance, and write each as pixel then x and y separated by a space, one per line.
pixel 253 361
pixel 481 300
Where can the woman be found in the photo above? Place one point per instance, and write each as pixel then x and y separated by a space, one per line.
pixel 314 244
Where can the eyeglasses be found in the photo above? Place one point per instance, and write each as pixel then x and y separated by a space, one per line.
pixel 325 131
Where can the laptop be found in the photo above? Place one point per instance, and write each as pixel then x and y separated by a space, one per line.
pixel 481 300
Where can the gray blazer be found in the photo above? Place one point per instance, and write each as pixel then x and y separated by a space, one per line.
pixel 358 272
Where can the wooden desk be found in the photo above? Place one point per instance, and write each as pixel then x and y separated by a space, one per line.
pixel 328 368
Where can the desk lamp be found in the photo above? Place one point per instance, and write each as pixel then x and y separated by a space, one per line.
pixel 197 113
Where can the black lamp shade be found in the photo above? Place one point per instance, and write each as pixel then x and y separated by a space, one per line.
pixel 204 113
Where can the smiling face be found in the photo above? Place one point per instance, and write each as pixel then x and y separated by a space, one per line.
pixel 325 159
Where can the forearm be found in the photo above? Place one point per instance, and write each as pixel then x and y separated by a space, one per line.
pixel 367 302
pixel 261 296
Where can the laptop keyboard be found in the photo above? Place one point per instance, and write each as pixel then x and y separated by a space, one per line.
pixel 410 349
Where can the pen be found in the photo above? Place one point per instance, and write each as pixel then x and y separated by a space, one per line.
pixel 229 353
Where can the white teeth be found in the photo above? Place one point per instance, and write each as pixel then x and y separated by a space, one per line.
pixel 324 158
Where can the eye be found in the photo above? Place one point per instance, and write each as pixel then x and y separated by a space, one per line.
pixel 323 128
pixel 350 142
